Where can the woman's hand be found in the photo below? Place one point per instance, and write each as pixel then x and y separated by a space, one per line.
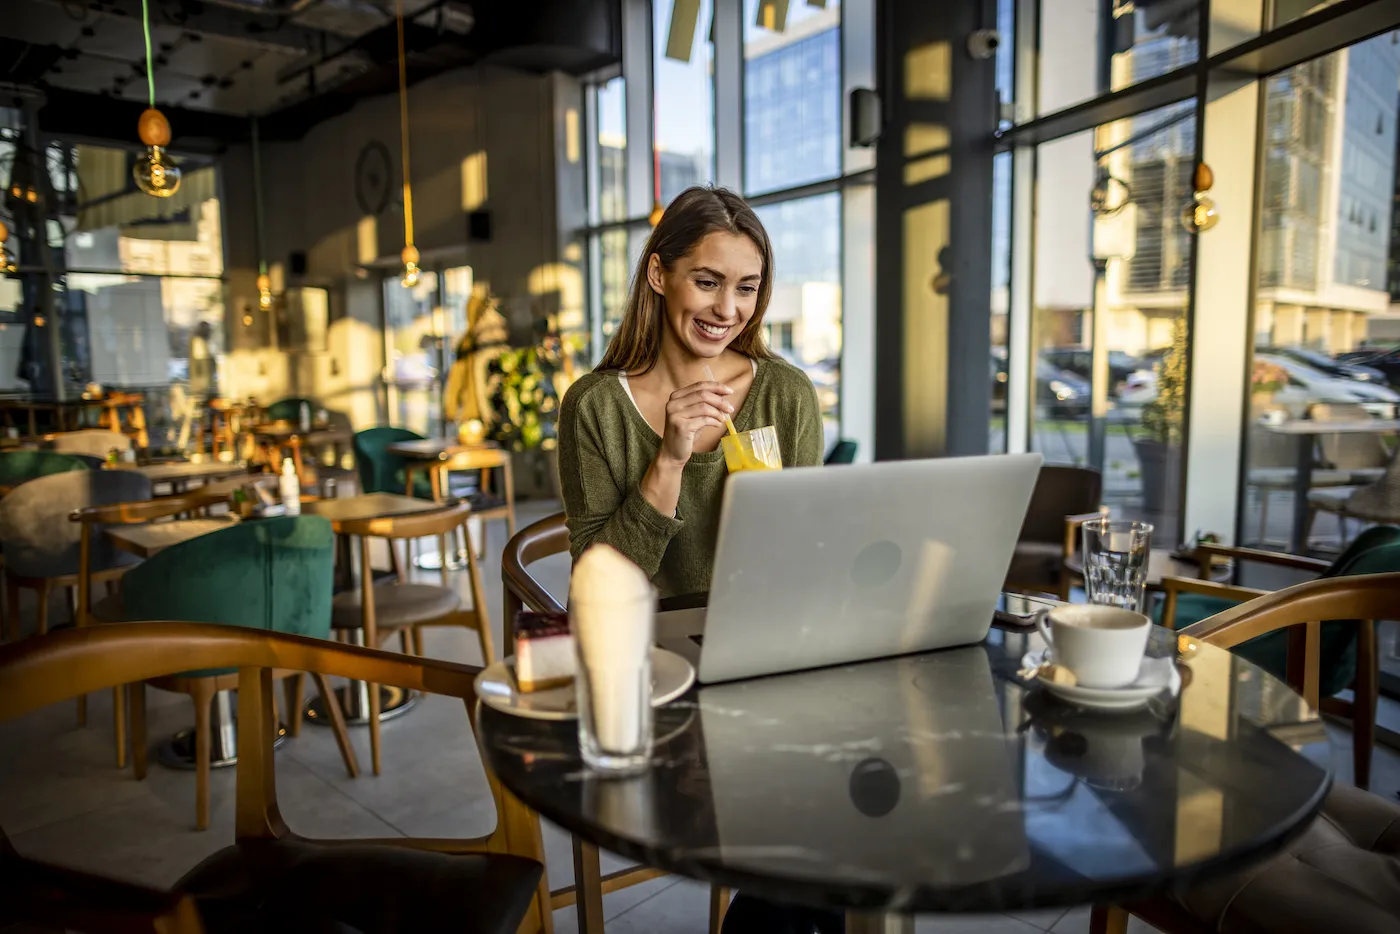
pixel 689 411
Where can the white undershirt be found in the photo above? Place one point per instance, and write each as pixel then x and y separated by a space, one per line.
pixel 627 388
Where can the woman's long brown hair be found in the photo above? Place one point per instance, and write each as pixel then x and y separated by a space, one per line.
pixel 695 214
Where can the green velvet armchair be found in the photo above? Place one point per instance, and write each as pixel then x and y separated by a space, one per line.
pixel 382 471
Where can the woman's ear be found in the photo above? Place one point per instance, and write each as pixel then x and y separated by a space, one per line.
pixel 654 274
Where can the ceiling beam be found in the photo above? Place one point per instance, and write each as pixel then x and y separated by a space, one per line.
pixel 211 20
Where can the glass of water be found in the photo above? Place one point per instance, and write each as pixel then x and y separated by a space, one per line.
pixel 1115 562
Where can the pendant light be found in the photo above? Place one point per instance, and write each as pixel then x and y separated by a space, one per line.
pixel 1199 214
pixel 658 210
pixel 155 173
pixel 410 252
pixel 7 259
pixel 264 281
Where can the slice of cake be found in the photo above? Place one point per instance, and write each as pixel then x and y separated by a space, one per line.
pixel 544 651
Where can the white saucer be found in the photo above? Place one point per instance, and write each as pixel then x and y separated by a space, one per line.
pixel 671 676
pixel 1157 675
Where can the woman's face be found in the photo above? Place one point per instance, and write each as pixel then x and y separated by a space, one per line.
pixel 711 293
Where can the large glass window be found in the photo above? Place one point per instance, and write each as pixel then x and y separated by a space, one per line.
pixel 1088 49
pixel 804 313
pixel 792 94
pixel 683 80
pixel 611 150
pixel 1001 299
pixel 1112 266
pixel 1323 324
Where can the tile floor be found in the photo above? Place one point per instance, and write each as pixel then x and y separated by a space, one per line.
pixel 62 798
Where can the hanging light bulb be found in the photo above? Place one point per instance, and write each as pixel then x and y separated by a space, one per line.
pixel 1199 214
pixel 264 291
pixel 658 211
pixel 7 259
pixel 156 174
pixel 411 272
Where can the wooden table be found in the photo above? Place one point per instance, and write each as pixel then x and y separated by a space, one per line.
pixel 152 538
pixel 1306 431
pixel 180 474
pixel 1160 563
pixel 439 456
pixel 284 435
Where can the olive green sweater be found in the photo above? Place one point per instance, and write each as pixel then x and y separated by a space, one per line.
pixel 606 447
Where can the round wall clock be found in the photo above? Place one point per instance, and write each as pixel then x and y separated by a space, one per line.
pixel 373 170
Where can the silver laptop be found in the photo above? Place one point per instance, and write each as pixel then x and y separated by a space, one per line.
pixel 834 565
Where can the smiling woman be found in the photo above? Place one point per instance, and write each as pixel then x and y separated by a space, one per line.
pixel 639 459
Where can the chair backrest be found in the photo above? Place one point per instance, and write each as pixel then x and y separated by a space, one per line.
pixel 95 442
pixel 1379 501
pixel 1368 553
pixel 289 409
pixel 549 536
pixel 843 453
pixel 379 470
pixel 18 466
pixel 71 663
pixel 1060 492
pixel 1337 600
pixel 1350 450
pixel 273 574
pixel 1271 449
pixel 35 533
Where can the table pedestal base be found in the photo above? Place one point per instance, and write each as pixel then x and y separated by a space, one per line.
pixel 862 923
pixel 432 561
pixel 178 751
pixel 354 703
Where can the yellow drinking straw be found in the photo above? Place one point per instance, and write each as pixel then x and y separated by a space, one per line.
pixel 710 375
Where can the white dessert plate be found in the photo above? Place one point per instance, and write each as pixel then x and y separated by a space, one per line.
pixel 671 676
pixel 1157 675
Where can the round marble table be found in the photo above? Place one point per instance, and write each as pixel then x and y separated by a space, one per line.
pixel 942 783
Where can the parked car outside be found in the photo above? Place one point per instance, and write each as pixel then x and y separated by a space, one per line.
pixel 1058 393
pixel 1079 361
pixel 1377 358
pixel 1325 364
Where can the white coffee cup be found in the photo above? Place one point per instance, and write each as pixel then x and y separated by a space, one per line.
pixel 1102 645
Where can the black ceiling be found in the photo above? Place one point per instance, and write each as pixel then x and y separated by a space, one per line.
pixel 293 63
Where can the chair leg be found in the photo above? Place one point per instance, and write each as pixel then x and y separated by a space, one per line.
pixel 720 896
pixel 12 603
pixel 342 735
pixel 119 723
pixel 374 756
pixel 406 640
pixel 1108 919
pixel 42 614
pixel 203 697
pixel 418 641
pixel 137 706
pixel 588 887
pixel 292 689
pixel 1363 707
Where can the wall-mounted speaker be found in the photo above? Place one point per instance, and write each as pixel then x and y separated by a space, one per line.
pixel 296 263
pixel 479 226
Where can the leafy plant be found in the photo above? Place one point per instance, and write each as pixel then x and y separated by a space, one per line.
pixel 1267 377
pixel 523 396
pixel 1162 417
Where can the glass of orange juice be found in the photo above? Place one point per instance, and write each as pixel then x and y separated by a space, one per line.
pixel 752 450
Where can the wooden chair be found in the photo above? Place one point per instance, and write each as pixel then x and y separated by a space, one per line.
pixel 485 505
pixel 535 542
pixel 271 877
pixel 1300 611
pixel 1349 653
pixel 271 575
pixel 1064 499
pixel 95 519
pixel 403 606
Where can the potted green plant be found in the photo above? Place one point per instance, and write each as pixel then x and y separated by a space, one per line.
pixel 1158 446
pixel 526 386
pixel 1266 379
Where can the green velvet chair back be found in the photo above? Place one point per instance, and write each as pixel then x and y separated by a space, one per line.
pixel 273 574
pixel 18 466
pixel 843 453
pixel 380 471
pixel 289 410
